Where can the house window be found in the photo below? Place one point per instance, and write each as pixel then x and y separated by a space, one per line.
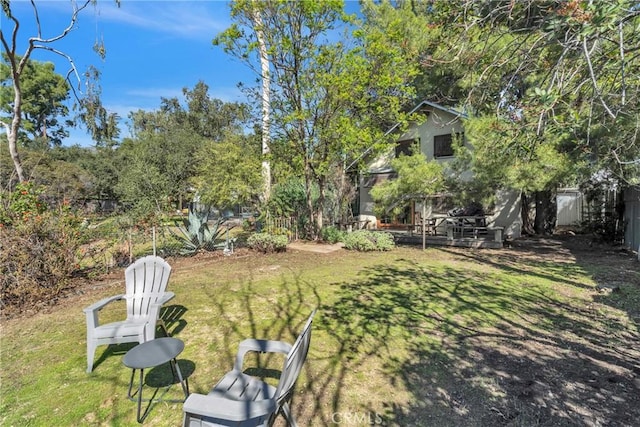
pixel 405 147
pixel 443 146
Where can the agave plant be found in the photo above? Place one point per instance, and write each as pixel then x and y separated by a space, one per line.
pixel 196 234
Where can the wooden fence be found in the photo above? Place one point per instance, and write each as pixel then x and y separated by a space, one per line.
pixel 282 225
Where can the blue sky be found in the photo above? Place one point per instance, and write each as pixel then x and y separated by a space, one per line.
pixel 154 49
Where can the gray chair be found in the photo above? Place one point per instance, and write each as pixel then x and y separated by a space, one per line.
pixel 242 400
pixel 145 285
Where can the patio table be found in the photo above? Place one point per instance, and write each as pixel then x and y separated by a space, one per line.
pixel 148 355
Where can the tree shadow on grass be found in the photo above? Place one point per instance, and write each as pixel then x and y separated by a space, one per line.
pixel 163 376
pixel 112 350
pixel 251 311
pixel 482 342
pixel 478 351
pixel 616 273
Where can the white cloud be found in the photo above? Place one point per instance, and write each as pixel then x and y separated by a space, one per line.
pixel 149 98
pixel 155 92
pixel 178 18
pixel 227 94
pixel 184 19
pixel 124 110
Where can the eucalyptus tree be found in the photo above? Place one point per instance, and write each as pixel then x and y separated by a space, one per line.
pixel 17 62
pixel 247 14
pixel 44 93
pixel 332 92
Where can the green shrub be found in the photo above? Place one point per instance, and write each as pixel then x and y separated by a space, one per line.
pixel 266 242
pixel 607 229
pixel 289 199
pixel 365 240
pixel 332 234
pixel 21 204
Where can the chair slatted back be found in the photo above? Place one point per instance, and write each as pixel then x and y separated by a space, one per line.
pixel 146 280
pixel 294 361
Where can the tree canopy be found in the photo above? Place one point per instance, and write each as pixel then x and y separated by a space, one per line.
pixel 550 89
pixel 557 73
pixel 416 179
pixel 44 93
pixel 331 100
pixel 18 72
pixel 176 143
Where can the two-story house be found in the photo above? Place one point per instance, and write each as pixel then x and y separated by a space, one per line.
pixel 435 135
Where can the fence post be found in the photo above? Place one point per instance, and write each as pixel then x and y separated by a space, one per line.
pixel 130 242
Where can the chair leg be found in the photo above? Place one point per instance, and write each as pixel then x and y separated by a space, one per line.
pixel 91 352
pixel 286 411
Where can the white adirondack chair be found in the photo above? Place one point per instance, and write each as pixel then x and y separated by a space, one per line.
pixel 242 400
pixel 145 283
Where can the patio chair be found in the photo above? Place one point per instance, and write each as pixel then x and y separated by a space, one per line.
pixel 145 283
pixel 242 400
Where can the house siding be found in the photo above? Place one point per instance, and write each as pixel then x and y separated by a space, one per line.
pixel 438 123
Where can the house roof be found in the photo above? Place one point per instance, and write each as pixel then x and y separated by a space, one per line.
pixel 425 103
pixel 421 106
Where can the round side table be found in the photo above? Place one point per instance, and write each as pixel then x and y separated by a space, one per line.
pixel 148 355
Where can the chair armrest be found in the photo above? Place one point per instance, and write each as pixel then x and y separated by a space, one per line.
pixel 165 298
pixel 102 303
pixel 227 409
pixel 154 309
pixel 262 346
pixel 154 312
pixel 91 312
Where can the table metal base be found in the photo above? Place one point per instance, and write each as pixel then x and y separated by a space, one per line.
pixel 176 372
pixel 148 355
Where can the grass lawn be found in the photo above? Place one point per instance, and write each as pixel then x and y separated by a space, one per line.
pixel 544 333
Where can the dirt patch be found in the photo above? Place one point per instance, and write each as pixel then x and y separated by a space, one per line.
pixel 320 248
pixel 583 369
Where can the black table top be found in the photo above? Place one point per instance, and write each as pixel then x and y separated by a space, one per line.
pixel 153 353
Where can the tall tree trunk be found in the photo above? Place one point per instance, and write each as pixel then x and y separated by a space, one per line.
pixel 525 214
pixel 320 205
pixel 545 219
pixel 17 65
pixel 266 101
pixel 12 130
pixel 308 184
